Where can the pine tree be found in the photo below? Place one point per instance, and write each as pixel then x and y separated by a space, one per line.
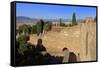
pixel 61 23
pixel 74 22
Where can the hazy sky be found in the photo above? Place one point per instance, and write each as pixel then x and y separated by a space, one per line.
pixel 43 11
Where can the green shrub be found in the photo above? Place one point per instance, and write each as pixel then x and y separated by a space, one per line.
pixel 22 43
pixel 34 29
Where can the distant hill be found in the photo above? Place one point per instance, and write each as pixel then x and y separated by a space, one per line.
pixel 23 19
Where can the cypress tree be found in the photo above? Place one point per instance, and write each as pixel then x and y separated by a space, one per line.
pixel 74 22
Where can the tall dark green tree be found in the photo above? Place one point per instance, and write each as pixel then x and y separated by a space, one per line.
pixel 74 22
pixel 40 25
pixel 61 23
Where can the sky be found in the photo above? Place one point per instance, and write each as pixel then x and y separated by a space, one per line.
pixel 45 11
